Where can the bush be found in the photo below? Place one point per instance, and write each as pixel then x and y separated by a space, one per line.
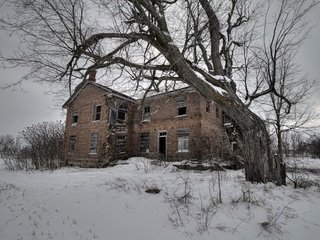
pixel 10 153
pixel 44 144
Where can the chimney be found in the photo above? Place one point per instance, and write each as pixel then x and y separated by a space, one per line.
pixel 92 75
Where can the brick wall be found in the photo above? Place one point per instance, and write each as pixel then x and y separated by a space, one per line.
pixel 163 117
pixel 83 105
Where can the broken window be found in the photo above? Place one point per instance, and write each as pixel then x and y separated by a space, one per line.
pixel 94 143
pixel 121 144
pixel 181 105
pixel 74 119
pixel 122 112
pixel 144 142
pixel 183 140
pixel 97 113
pixel 72 143
pixel 146 113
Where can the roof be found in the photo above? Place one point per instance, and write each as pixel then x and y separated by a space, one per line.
pixel 83 84
pixel 115 93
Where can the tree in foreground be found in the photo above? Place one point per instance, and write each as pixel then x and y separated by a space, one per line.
pixel 152 43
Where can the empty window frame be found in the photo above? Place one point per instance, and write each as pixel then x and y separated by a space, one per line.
pixel 121 144
pixel 183 140
pixel 75 119
pixel 93 143
pixel 146 113
pixel 182 105
pixel 97 113
pixel 122 112
pixel 72 144
pixel 144 142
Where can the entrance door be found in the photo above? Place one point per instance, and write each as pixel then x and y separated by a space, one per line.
pixel 163 144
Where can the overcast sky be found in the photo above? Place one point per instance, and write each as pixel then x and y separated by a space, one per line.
pixel 31 103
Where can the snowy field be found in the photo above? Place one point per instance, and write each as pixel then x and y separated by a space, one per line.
pixel 111 203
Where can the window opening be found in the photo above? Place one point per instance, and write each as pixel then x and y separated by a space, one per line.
pixel 217 112
pixel 207 106
pixel 122 112
pixel 72 143
pixel 121 144
pixel 74 119
pixel 162 134
pixel 144 142
pixel 94 143
pixel 97 113
pixel 181 105
pixel 183 140
pixel 146 113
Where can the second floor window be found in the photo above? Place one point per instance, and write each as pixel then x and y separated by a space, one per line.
pixel 207 106
pixel 146 113
pixel 97 113
pixel 181 106
pixel 217 112
pixel 122 112
pixel 75 119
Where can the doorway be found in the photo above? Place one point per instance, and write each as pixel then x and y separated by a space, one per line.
pixel 162 144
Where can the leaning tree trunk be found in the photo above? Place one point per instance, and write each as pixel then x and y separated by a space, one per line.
pixel 260 166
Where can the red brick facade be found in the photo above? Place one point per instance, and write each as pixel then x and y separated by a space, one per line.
pixel 103 125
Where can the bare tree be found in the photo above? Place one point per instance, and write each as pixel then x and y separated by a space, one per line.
pixel 10 153
pixel 44 144
pixel 314 143
pixel 283 34
pixel 144 41
pixel 278 77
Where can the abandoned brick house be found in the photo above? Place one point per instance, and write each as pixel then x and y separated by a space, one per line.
pixel 103 125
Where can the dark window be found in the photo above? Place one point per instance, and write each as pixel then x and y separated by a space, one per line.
pixel 97 113
pixel 217 112
pixel 183 140
pixel 144 142
pixel 121 144
pixel 146 113
pixel 72 143
pixel 181 105
pixel 207 106
pixel 94 143
pixel 74 119
pixel 163 133
pixel 122 112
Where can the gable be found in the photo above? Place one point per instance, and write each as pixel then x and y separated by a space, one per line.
pixel 89 95
pixel 100 89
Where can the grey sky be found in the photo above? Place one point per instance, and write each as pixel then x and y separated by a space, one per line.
pixel 19 109
pixel 23 105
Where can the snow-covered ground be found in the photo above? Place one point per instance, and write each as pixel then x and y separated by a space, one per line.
pixel 111 203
